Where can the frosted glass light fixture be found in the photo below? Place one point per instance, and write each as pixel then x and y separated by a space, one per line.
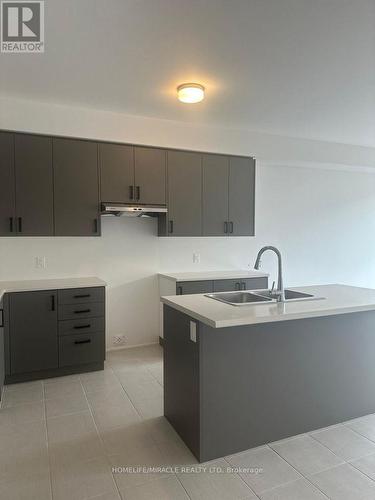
pixel 190 92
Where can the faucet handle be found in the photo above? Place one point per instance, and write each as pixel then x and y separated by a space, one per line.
pixel 273 287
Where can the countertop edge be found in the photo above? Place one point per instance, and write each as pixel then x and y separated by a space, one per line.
pixel 49 284
pixel 214 275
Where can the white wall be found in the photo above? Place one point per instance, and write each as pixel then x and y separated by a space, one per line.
pixel 322 219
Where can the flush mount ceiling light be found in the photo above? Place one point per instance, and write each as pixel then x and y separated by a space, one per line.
pixel 190 92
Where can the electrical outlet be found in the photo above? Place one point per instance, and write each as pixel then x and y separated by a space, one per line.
pixel 119 339
pixel 196 258
pixel 40 262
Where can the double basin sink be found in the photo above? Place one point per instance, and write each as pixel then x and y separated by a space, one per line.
pixel 257 297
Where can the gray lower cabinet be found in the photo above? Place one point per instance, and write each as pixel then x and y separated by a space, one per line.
pixel 2 350
pixel 45 338
pixel 81 348
pixel 7 185
pixel 116 173
pixel 184 194
pixel 208 286
pixel 150 175
pixel 215 177
pixel 76 183
pixel 34 185
pixel 33 331
pixel 240 284
pixel 187 287
pixel 241 196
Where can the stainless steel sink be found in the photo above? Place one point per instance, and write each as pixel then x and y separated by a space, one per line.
pixel 289 294
pixel 239 298
pixel 258 297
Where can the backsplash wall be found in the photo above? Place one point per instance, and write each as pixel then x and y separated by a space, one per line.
pixel 322 221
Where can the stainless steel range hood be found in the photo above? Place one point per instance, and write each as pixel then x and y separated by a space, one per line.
pixel 132 210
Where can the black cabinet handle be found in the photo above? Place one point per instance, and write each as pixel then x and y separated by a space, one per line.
pixel 231 227
pixel 2 318
pixel 138 189
pixel 82 341
pixel 243 285
pixel 53 305
pixel 83 296
pixel 95 226
pixel 225 227
pixel 171 226
pixel 81 327
pixel 179 290
pixel 11 225
pixel 82 311
pixel 238 285
pixel 20 224
pixel 131 192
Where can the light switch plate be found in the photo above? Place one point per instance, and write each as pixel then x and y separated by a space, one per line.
pixel 193 331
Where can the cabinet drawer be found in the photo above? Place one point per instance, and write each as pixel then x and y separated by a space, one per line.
pixel 187 287
pixel 240 284
pixel 80 311
pixel 81 349
pixel 75 326
pixel 81 295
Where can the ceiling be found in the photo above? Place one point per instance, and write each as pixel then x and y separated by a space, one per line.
pixel 302 68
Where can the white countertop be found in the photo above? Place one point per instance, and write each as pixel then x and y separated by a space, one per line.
pixel 50 284
pixel 214 275
pixel 338 299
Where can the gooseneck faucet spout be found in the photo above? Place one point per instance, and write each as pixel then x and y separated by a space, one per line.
pixel 279 294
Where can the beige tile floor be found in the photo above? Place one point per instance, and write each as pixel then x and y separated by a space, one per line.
pixel 71 438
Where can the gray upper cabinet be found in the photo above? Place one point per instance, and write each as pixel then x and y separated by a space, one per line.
pixel 76 183
pixel 150 176
pixel 34 185
pixel 215 194
pixel 184 193
pixel 241 196
pixel 116 173
pixel 7 185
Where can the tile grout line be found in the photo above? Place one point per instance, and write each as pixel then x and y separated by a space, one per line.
pixel 128 396
pixel 346 462
pixel 303 475
pixel 153 439
pixel 241 478
pixel 47 440
pixel 100 437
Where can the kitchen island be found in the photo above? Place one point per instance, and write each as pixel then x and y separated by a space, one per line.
pixel 236 377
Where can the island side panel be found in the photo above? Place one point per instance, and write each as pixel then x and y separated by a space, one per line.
pixel 261 383
pixel 181 378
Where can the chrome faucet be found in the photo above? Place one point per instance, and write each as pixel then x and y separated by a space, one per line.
pixel 279 293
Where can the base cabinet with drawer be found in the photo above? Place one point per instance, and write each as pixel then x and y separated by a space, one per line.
pixel 53 332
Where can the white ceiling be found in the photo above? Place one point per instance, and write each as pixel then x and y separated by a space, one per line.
pixel 294 67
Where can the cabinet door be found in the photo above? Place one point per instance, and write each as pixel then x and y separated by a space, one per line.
pixel 186 287
pixel 241 196
pixel 150 181
pixel 116 173
pixel 76 188
pixel 227 285
pixel 215 195
pixel 184 193
pixel 255 283
pixel 7 185
pixel 33 331
pixel 34 185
